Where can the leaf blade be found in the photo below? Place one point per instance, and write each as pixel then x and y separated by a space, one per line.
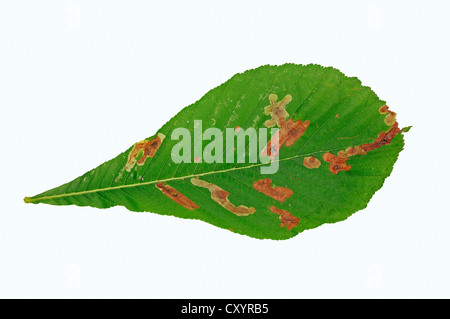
pixel 342 113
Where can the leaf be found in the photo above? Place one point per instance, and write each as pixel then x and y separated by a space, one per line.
pixel 337 144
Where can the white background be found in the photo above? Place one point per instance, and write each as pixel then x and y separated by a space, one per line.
pixel 81 81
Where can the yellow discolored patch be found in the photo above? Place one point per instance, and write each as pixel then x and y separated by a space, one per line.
pixel 220 196
pixel 351 151
pixel 311 162
pixel 176 196
pixel 287 219
pixel 278 193
pixel 148 148
pixel 390 118
pixel 277 110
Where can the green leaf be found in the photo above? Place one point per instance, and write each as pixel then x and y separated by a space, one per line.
pixel 339 142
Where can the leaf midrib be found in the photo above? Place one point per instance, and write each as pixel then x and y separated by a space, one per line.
pixel 41 198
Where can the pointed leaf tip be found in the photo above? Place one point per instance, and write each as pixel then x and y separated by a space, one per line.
pixel 406 129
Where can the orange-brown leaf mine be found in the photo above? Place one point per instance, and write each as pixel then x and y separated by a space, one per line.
pixel 278 193
pixel 339 162
pixel 311 162
pixel 294 130
pixel 290 130
pixel 148 148
pixel 287 219
pixel 221 197
pixel 176 196
pixel 384 138
pixel 336 163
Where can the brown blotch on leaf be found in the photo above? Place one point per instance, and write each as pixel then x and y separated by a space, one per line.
pixel 287 219
pixel 384 138
pixel 384 109
pixel 221 197
pixel 176 196
pixel 336 163
pixel 390 118
pixel 293 130
pixel 148 148
pixel 290 130
pixel 278 193
pixel 311 162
